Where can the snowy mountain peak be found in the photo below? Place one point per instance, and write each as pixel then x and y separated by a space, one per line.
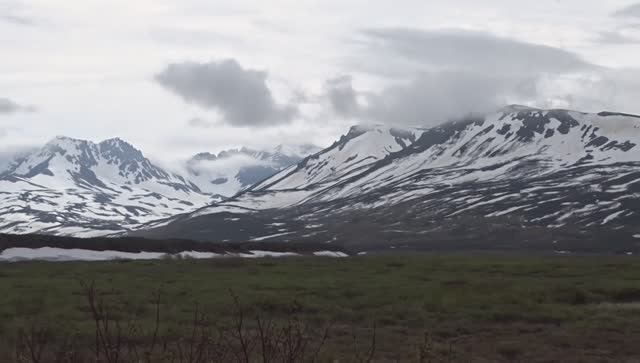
pixel 120 148
pixel 361 146
pixel 74 160
pixel 64 144
pixel 78 187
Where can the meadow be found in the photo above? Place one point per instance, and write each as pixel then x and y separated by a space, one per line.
pixel 418 308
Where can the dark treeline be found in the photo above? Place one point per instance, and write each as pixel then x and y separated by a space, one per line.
pixel 139 244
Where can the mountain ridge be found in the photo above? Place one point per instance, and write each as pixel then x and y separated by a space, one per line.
pixel 553 170
pixel 77 187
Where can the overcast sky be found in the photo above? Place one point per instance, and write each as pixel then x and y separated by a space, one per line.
pixel 177 77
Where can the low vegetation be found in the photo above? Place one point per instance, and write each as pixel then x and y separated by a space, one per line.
pixel 360 309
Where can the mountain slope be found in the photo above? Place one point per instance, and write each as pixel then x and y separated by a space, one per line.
pixel 543 173
pixel 80 188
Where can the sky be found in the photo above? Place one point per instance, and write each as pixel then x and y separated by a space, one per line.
pixel 179 77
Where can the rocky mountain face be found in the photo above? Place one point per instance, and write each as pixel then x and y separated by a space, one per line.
pixel 521 178
pixel 80 188
pixel 231 171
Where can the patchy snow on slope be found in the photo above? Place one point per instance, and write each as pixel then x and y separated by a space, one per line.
pixel 330 254
pixel 518 161
pixel 261 254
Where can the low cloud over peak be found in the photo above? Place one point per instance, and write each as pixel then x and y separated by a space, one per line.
pixel 240 95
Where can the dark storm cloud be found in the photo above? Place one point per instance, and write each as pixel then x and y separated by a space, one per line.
pixel 468 50
pixel 8 106
pixel 240 95
pixel 629 11
pixel 342 96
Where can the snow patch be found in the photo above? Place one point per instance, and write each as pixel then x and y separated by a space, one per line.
pixel 330 254
pixel 60 254
pixel 270 236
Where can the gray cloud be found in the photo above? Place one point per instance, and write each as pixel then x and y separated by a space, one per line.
pixel 240 95
pixel 431 98
pixel 467 50
pixel 439 75
pixel 8 106
pixel 342 96
pixel 629 11
pixel 615 37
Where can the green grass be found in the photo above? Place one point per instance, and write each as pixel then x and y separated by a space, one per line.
pixel 530 308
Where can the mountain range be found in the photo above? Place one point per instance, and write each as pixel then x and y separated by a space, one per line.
pixel 521 177
pixel 80 188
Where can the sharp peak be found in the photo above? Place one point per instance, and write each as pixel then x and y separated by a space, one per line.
pixel 65 142
pixel 116 138
pixel 59 138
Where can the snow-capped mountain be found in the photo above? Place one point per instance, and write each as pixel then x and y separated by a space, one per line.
pixel 77 187
pixel 549 173
pixel 231 171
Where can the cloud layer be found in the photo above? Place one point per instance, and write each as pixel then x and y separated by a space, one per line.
pixel 436 75
pixel 418 63
pixel 629 11
pixel 8 106
pixel 469 51
pixel 240 95
pixel 430 76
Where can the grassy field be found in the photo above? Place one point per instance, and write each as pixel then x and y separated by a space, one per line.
pixel 454 308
